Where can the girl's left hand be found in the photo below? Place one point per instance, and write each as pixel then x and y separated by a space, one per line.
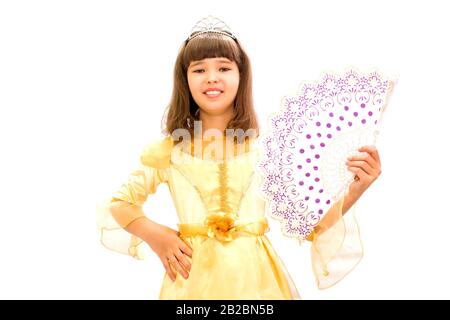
pixel 366 167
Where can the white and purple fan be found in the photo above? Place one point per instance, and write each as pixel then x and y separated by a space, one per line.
pixel 309 140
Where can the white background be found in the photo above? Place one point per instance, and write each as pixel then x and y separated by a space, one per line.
pixel 83 87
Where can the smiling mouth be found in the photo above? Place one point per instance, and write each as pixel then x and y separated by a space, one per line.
pixel 213 93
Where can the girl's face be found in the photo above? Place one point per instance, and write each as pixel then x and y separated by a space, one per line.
pixel 214 83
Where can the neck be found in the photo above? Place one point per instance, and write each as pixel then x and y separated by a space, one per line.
pixel 218 122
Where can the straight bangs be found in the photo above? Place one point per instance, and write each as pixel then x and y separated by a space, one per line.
pixel 211 45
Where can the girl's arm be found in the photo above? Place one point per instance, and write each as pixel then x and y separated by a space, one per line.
pixel 164 241
pixel 367 168
pixel 336 246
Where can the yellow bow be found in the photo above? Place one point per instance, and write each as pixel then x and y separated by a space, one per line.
pixel 223 228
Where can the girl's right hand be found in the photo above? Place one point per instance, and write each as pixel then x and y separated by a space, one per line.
pixel 169 247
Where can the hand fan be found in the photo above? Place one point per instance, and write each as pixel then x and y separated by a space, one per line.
pixel 308 141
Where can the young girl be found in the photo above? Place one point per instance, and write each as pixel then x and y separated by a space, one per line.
pixel 208 161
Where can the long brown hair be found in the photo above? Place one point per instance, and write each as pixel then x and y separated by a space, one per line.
pixel 181 111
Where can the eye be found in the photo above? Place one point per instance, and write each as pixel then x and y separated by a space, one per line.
pixel 225 69
pixel 199 71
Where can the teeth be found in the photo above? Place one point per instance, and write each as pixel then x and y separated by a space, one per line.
pixel 212 92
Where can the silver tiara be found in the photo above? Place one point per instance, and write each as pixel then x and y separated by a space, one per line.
pixel 210 24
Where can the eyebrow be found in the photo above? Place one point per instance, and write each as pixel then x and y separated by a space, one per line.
pixel 202 61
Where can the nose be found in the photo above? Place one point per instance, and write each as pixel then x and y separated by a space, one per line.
pixel 212 78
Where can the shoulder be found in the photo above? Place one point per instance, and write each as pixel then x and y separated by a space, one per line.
pixel 157 153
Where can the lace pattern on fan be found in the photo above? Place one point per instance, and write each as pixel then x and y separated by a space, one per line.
pixel 304 153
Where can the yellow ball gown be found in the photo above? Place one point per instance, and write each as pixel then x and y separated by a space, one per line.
pixel 222 217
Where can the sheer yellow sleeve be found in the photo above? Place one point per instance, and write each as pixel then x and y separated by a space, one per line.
pixel 336 246
pixel 144 181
